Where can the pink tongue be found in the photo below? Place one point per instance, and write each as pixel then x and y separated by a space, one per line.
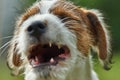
pixel 63 55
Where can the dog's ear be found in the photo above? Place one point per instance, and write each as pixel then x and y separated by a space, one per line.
pixel 100 36
pixel 14 61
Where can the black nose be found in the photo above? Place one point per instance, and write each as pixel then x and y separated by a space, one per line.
pixel 36 28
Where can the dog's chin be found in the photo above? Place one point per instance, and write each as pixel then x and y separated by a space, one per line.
pixel 47 55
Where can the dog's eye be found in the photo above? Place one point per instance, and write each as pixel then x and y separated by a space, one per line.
pixel 61 16
pixel 64 18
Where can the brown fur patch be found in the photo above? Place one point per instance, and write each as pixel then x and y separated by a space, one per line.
pixel 98 34
pixel 85 25
pixel 16 57
pixel 16 60
pixel 76 22
pixel 30 12
pixel 62 10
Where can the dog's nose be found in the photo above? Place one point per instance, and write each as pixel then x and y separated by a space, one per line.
pixel 36 28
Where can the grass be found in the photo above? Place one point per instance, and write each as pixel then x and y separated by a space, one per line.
pixel 112 74
pixel 5 72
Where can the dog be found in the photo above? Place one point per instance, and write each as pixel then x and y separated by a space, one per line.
pixel 53 41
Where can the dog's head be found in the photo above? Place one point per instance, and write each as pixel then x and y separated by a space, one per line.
pixel 52 35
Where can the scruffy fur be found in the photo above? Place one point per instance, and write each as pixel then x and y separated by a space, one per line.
pixel 78 28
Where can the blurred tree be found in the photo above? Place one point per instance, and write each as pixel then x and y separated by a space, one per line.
pixel 24 5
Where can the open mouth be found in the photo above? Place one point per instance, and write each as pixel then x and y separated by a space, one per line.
pixel 47 54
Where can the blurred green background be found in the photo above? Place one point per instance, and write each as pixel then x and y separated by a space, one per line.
pixel 110 9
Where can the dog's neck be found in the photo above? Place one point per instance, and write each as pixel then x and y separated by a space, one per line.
pixel 79 71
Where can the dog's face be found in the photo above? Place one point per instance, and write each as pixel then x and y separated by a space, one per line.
pixel 49 39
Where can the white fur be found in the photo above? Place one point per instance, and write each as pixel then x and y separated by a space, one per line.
pixel 76 68
pixel 46 5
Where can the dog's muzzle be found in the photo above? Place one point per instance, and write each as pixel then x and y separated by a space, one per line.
pixel 44 54
pixel 36 29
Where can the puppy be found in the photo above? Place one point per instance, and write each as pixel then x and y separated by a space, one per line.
pixel 53 40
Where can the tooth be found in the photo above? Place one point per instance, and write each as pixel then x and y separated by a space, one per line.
pixel 52 60
pixel 50 44
pixel 36 59
pixel 32 62
pixel 59 46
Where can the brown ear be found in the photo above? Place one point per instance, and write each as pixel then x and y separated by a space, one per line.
pixel 100 37
pixel 16 60
pixel 13 60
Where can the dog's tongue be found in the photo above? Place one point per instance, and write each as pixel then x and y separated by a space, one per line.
pixel 47 55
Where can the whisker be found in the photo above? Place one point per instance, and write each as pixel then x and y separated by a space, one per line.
pixel 6 37
pixel 3 50
pixel 5 45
